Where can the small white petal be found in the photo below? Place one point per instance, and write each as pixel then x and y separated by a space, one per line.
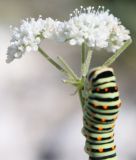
pixel 72 42
pixel 28 49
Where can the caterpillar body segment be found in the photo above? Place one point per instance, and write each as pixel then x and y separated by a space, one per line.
pixel 101 107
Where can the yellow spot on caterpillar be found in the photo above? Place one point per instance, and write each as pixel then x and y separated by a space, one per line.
pixel 99 138
pixel 116 88
pixel 105 107
pixel 113 147
pixel 113 126
pixel 103 119
pixel 115 118
pixel 100 149
pixel 112 135
pixel 106 89
pixel 119 105
pixel 100 128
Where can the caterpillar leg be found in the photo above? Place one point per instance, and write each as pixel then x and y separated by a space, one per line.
pixel 100 113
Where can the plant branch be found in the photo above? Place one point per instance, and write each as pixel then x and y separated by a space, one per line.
pixel 54 63
pixel 86 64
pixel 68 69
pixel 117 54
pixel 83 53
pixel 81 98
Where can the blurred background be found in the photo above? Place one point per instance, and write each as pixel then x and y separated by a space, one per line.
pixel 39 117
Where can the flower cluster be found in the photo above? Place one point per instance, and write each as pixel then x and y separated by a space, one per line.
pixel 97 28
pixel 31 32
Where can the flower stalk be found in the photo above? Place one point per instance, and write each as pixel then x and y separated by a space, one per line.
pixel 68 69
pixel 83 52
pixel 117 54
pixel 86 64
pixel 63 67
pixel 54 63
pixel 81 98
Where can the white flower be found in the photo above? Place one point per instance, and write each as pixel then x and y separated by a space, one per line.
pixel 98 28
pixel 31 32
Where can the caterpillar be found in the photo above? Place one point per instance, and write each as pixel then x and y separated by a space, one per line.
pixel 101 107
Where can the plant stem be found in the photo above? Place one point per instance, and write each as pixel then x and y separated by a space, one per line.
pixel 86 65
pixel 81 98
pixel 55 64
pixel 72 77
pixel 68 68
pixel 117 54
pixel 83 53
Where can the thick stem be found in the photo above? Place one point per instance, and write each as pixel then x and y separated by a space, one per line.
pixel 117 54
pixel 86 65
pixel 83 53
pixel 81 98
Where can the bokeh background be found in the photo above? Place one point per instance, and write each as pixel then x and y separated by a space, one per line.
pixel 39 117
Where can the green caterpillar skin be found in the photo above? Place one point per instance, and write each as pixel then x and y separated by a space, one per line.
pixel 101 107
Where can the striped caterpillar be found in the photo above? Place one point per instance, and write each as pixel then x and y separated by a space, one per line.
pixel 101 107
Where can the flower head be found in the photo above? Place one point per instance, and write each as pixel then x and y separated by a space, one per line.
pixel 29 35
pixel 98 28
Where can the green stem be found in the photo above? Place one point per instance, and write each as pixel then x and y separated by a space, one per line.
pixel 81 98
pixel 75 83
pixel 86 65
pixel 83 52
pixel 117 54
pixel 68 68
pixel 55 64
pixel 72 77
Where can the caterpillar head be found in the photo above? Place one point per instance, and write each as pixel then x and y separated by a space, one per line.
pixel 100 71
